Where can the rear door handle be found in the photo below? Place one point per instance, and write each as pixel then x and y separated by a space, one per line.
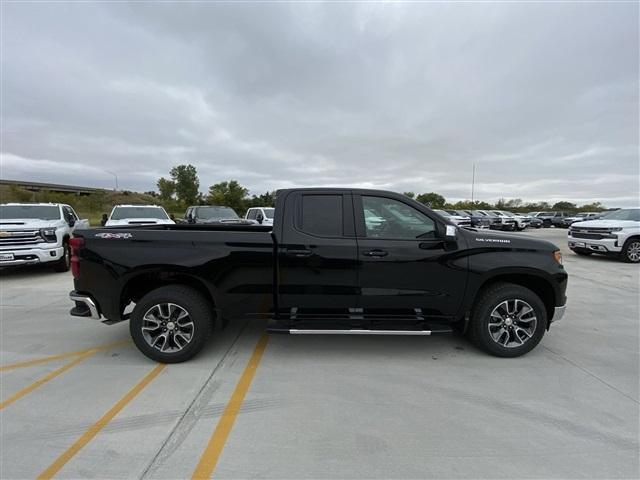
pixel 299 253
pixel 376 253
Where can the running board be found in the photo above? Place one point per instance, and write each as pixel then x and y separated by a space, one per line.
pixel 353 331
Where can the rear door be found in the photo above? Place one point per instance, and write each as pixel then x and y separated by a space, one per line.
pixel 405 267
pixel 317 274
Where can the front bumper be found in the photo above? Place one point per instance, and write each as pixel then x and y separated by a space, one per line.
pixel 29 256
pixel 602 245
pixel 558 313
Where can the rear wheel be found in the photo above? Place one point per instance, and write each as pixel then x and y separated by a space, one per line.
pixel 631 251
pixel 171 324
pixel 508 320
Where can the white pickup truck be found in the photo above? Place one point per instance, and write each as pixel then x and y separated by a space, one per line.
pixel 615 233
pixel 124 215
pixel 37 233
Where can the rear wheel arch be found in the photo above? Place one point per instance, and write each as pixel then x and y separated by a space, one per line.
pixel 143 283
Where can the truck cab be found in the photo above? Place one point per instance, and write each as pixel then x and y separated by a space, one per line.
pixel 261 215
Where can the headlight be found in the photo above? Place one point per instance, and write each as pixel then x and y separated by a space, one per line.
pixel 49 234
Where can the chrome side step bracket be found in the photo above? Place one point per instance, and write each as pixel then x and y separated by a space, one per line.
pixel 296 331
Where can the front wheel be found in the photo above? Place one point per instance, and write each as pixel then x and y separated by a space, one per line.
pixel 64 264
pixel 631 251
pixel 171 324
pixel 507 320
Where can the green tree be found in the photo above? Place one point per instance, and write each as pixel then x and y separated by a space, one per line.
pixel 410 194
pixel 514 203
pixel 230 194
pixel 564 206
pixel 166 188
pixel 185 178
pixel 593 207
pixel 267 199
pixel 431 199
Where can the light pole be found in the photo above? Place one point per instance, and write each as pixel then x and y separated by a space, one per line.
pixel 116 177
pixel 473 181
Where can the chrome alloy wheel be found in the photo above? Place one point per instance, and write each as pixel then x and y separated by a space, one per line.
pixel 633 251
pixel 167 327
pixel 512 323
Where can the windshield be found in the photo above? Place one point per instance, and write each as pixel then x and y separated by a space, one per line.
pixel 40 212
pixel 216 213
pixel 269 212
pixel 632 214
pixel 120 213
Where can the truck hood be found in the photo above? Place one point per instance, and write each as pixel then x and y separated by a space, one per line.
pixel 138 221
pixel 28 224
pixel 607 224
pixel 479 239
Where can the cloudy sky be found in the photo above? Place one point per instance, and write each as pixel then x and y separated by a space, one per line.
pixel 543 97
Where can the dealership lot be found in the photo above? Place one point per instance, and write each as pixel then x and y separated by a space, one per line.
pixel 323 406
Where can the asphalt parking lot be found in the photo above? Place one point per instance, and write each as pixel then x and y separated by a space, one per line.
pixel 322 406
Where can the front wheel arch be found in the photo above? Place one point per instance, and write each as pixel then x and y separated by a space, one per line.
pixel 538 285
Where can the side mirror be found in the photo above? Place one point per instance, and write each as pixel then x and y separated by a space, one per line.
pixel 104 219
pixel 450 233
pixel 71 221
pixel 190 218
pixel 260 218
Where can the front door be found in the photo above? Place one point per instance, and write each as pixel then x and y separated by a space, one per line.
pixel 406 267
pixel 317 273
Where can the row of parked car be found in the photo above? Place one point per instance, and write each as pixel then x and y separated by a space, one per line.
pixel 503 220
pixel 202 214
pixel 39 233
pixel 492 219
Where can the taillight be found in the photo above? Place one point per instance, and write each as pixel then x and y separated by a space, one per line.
pixel 76 243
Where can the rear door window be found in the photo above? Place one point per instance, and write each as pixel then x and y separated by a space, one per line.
pixel 322 215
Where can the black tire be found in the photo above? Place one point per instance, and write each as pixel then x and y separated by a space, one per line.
pixel 488 300
pixel 582 251
pixel 64 264
pixel 200 313
pixel 629 252
pixel 546 223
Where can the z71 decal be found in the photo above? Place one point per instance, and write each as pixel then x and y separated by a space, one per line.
pixel 493 240
pixel 108 236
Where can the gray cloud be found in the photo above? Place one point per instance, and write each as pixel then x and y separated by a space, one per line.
pixel 542 97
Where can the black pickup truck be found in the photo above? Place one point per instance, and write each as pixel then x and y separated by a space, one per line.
pixel 335 261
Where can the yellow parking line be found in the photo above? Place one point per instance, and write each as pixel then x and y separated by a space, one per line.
pixel 52 358
pixel 46 378
pixel 87 436
pixel 217 441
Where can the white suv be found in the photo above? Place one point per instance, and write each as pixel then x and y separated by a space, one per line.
pixel 262 215
pixel 37 233
pixel 615 233
pixel 138 215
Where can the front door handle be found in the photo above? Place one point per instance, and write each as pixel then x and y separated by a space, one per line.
pixel 376 253
pixel 298 253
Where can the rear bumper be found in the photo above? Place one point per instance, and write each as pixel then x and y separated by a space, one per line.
pixel 85 306
pixel 29 256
